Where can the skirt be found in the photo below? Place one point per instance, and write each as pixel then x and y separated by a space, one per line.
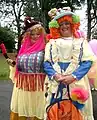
pixel 27 103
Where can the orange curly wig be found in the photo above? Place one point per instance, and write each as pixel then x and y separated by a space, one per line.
pixel 54 32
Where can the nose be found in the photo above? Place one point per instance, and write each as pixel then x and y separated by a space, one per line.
pixel 64 25
pixel 35 36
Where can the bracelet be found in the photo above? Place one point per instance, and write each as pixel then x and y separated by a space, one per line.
pixel 74 76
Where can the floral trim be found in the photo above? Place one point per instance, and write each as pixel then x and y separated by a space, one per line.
pixel 75 18
pixel 53 23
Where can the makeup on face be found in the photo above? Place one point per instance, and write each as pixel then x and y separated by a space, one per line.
pixel 35 36
pixel 65 23
pixel 65 29
pixel 35 32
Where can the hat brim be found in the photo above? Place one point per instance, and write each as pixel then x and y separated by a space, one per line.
pixel 63 14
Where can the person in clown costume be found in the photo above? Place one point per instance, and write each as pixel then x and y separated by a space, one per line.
pixel 68 58
pixel 27 101
pixel 93 70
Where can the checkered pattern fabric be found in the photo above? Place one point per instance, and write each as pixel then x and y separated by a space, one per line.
pixel 30 63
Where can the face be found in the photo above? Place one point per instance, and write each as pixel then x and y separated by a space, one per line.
pixel 35 36
pixel 65 29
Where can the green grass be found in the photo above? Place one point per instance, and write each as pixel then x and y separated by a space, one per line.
pixel 4 69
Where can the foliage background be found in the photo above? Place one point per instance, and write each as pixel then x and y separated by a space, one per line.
pixel 8 38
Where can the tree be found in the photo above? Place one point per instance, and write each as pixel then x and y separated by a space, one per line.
pixel 34 8
pixel 39 9
pixel 92 16
pixel 13 8
pixel 8 38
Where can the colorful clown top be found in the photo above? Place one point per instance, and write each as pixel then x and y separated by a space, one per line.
pixel 66 56
pixel 68 59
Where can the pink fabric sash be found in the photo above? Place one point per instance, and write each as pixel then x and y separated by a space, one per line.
pixel 28 47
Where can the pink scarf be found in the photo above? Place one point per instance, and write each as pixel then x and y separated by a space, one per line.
pixel 28 47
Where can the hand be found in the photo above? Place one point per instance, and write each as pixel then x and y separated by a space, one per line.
pixel 11 62
pixel 58 77
pixel 68 79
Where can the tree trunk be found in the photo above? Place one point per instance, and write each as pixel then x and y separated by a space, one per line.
pixel 19 40
pixel 89 20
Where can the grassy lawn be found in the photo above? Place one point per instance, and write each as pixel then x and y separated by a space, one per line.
pixel 4 69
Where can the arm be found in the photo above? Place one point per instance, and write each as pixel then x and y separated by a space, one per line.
pixel 49 69
pixel 85 62
pixel 82 70
pixel 4 51
pixel 50 60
